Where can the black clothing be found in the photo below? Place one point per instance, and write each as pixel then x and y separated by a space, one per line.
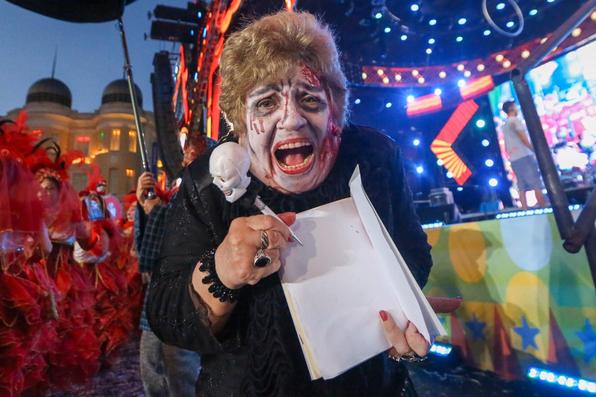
pixel 258 353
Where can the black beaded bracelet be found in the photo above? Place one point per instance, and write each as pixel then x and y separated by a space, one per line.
pixel 217 289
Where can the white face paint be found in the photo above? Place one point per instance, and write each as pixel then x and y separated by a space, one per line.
pixel 229 164
pixel 291 137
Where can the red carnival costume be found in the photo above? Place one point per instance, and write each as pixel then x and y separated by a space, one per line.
pixel 76 357
pixel 28 296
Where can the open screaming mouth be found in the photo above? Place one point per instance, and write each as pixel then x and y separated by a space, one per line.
pixel 294 156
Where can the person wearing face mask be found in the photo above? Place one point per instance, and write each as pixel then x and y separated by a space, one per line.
pixel 285 96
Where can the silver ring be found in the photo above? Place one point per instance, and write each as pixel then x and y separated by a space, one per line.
pixel 408 357
pixel 262 259
pixel 264 240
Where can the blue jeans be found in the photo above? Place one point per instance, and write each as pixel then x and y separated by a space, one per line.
pixel 167 370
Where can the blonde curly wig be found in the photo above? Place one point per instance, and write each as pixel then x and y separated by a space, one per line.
pixel 267 50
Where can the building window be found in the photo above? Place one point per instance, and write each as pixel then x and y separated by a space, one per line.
pixel 115 139
pixel 132 141
pixel 114 179
pixel 101 143
pixel 130 176
pixel 82 144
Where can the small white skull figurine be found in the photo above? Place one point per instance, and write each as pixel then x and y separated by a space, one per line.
pixel 229 164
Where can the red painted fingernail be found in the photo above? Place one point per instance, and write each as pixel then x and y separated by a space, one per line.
pixel 383 315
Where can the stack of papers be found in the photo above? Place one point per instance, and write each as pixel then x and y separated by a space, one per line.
pixel 335 284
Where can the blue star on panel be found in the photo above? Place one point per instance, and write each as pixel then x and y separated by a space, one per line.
pixel 476 327
pixel 588 337
pixel 527 334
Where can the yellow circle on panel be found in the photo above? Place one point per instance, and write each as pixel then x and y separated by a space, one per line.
pixel 467 250
pixel 528 294
pixel 433 236
pixel 528 297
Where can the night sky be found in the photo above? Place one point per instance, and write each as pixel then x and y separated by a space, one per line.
pixel 89 55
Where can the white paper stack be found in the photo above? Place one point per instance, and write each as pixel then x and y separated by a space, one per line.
pixel 335 284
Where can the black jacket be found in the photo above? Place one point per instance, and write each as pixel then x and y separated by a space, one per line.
pixel 258 352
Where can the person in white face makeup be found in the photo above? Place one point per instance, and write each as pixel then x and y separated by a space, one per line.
pixel 284 94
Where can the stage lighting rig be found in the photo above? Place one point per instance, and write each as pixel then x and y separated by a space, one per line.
pixel 177 24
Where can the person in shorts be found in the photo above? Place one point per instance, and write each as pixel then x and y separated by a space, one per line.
pixel 521 155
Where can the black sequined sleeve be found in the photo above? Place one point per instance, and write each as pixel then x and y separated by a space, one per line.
pixel 172 314
pixel 409 237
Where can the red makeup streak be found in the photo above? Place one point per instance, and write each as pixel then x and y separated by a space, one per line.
pixel 262 130
pixel 310 76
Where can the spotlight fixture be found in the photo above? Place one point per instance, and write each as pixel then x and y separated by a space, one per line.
pixel 533 12
pixel 442 74
pixel 419 169
pixel 486 32
pixel 500 6
pixel 403 37
pixel 480 67
pixel 431 41
pixel 357 101
pixel 576 32
pixel 493 182
pixel 485 142
pixel 385 80
pixel 507 63
pixel 415 72
pixel 380 72
pixel 460 67
pixel 440 162
pixel 462 21
pixel 387 29
pixel 438 91
pixel 397 77
pixel 525 54
pixel 480 123
pixel 414 7
pixel 510 24
pixel 421 80
pixel 467 73
pixel 429 51
pixel 461 83
pixel 460 189
pixel 364 76
pixel 388 105
pixel 432 22
pixel 543 40
pixel 378 15
pixel 499 58
pixel 459 39
pixel 410 98
pixel 489 162
pixel 416 142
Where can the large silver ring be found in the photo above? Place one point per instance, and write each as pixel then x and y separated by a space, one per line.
pixel 264 240
pixel 262 259
pixel 408 357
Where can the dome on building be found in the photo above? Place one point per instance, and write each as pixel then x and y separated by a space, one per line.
pixel 117 91
pixel 50 90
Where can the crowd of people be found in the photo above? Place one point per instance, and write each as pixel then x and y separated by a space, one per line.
pixel 70 289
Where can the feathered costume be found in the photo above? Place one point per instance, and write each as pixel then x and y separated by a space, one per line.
pixel 58 319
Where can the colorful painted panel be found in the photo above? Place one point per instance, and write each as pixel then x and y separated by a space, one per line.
pixel 526 300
